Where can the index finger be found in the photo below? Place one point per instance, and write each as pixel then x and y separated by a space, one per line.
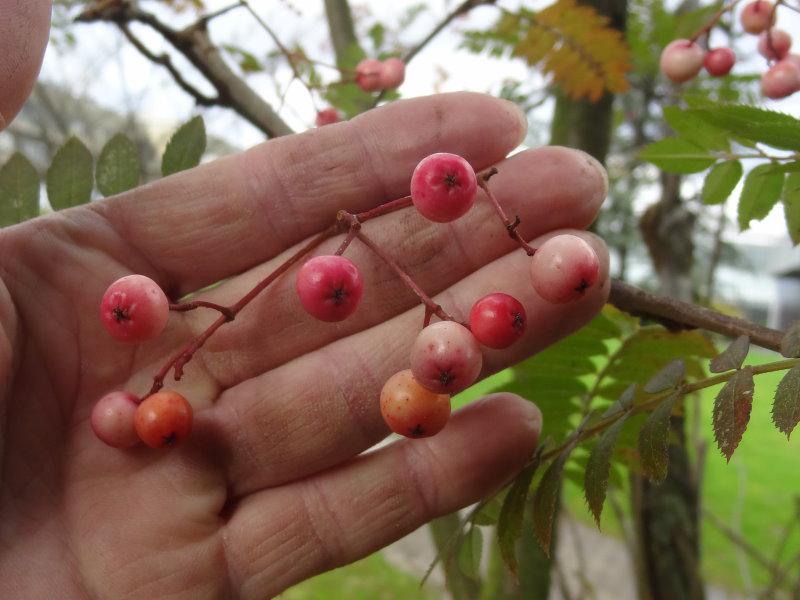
pixel 209 223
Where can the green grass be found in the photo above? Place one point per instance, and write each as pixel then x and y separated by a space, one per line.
pixel 758 488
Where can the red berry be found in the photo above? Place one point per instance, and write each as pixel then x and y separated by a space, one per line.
pixel 329 287
pixel 681 60
pixel 327 116
pixel 443 187
pixel 112 419
pixel 163 419
pixel 757 16
pixel 719 61
pixel 134 309
pixel 393 72
pixel 774 44
pixel 411 410
pixel 446 358
pixel 781 80
pixel 368 74
pixel 563 268
pixel 497 320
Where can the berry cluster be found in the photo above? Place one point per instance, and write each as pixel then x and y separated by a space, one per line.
pixel 682 59
pixel 371 75
pixel 445 358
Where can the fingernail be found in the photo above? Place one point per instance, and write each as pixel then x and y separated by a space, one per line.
pixel 600 169
pixel 519 116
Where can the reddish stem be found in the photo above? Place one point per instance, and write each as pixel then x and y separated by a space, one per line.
pixel 195 304
pixel 483 182
pixel 714 20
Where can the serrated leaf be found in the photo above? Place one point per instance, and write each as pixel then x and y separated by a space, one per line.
pixel 469 553
pixel 623 403
pixel 185 148
pixel 786 407
pixel 694 129
pixel 545 499
pixel 668 377
pixel 654 440
pixel 19 190
pixel 595 479
pixel 70 177
pixel 761 191
pixel 721 181
pixel 676 155
pixel 790 342
pixel 117 168
pixel 732 357
pixel 490 513
pixel 756 124
pixel 509 525
pixel 791 205
pixel 732 411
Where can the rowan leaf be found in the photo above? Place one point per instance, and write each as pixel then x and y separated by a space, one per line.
pixel 668 377
pixel 70 177
pixel 791 205
pixel 756 124
pixel 732 357
pixel 19 190
pixel 185 148
pixel 654 439
pixel 509 525
pixel 598 469
pixel 790 342
pixel 732 411
pixel 117 168
pixel 545 499
pixel 721 181
pixel 676 155
pixel 761 191
pixel 469 553
pixel 623 403
pixel 695 129
pixel 786 408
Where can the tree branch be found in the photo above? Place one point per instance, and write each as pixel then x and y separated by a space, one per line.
pixel 343 34
pixel 195 44
pixel 676 314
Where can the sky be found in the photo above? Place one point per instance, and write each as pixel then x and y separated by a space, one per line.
pixel 103 66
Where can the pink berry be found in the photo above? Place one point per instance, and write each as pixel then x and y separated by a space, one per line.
pixel 774 44
pixel 443 187
pixel 719 61
pixel 330 287
pixel 327 116
pixel 757 16
pixel 563 268
pixel 497 320
pixel 681 60
pixel 113 419
pixel 446 358
pixel 134 309
pixel 368 74
pixel 781 80
pixel 393 72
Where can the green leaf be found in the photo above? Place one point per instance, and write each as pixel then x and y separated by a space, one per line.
pixel 688 23
pixel 246 60
pixel 546 498
pixel 791 205
pixel 721 181
pixel 676 155
pixel 790 343
pixel 654 440
pixel 185 148
pixel 509 526
pixel 732 411
pixel 595 482
pixel 490 513
pixel 691 127
pixel 732 357
pixel 117 168
pixel 19 190
pixel 761 191
pixel 70 178
pixel 786 408
pixel 756 124
pixel 623 403
pixel 469 553
pixel 668 377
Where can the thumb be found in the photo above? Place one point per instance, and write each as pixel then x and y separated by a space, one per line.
pixel 24 30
